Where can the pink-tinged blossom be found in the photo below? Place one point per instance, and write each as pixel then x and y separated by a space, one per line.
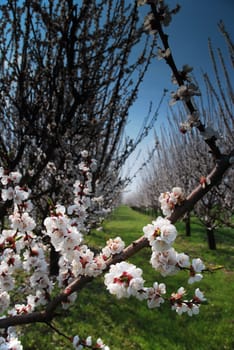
pixel 65 274
pixel 101 345
pixel 8 239
pixel 113 246
pixel 83 263
pixel 169 200
pixel 161 234
pixel 63 233
pixel 176 301
pixel 178 193
pixel 165 262
pixel 123 279
pixel 11 259
pixel 100 264
pixel 22 222
pixel 40 298
pixel 167 203
pixel 76 342
pixel 20 309
pixel 191 307
pixel 40 280
pixel 79 344
pixel 88 341
pixel 60 210
pixel 34 258
pixel 178 295
pixel 193 120
pixel 154 295
pixel 195 271
pixel 15 176
pixel 186 307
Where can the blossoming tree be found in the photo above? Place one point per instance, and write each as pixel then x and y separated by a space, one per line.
pixel 68 78
pixel 64 226
pixel 174 155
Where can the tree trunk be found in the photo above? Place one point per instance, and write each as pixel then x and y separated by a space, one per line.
pixel 211 238
pixel 54 258
pixel 187 225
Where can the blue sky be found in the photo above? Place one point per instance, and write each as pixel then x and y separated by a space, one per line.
pixel 188 36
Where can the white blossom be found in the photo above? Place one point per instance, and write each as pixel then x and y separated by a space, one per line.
pixel 124 279
pixel 154 295
pixel 161 234
pixel 113 246
pixel 165 262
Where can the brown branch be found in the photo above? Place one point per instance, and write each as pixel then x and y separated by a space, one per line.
pixel 45 316
pixel 211 142
pixel 214 177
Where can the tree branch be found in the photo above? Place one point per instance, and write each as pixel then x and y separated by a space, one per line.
pixel 215 177
pixel 211 142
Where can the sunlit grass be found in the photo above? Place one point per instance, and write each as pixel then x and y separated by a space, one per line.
pixel 129 324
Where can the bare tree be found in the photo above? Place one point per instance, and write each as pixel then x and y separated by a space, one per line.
pixel 69 74
pixel 175 163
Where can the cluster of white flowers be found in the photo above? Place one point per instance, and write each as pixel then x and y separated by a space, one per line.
pixel 21 249
pixel 65 227
pixel 169 200
pixel 113 246
pixel 164 15
pixel 186 89
pixel 80 344
pixel 191 307
pixel 9 341
pixel 184 74
pixel 161 235
pixel 163 53
pixel 125 279
pixel 184 93
pixel 192 121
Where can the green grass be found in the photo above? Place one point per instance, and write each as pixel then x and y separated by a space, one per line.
pixel 129 324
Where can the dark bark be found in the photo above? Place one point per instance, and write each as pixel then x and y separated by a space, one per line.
pixel 211 238
pixel 187 225
pixel 54 258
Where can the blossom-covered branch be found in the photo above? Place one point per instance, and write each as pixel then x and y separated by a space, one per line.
pixel 159 17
